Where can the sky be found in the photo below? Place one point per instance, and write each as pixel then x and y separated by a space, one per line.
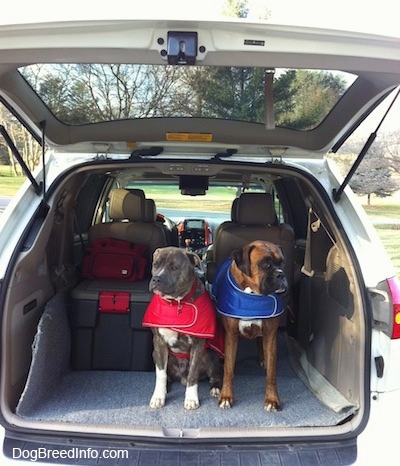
pixel 356 15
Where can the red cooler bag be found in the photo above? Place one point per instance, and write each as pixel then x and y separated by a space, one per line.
pixel 114 259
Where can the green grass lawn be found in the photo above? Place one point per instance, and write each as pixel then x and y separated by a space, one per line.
pixel 9 184
pixel 390 237
pixel 387 208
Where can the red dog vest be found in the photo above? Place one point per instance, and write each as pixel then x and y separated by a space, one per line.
pixel 196 318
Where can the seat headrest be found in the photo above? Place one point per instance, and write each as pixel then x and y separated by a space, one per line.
pixel 151 211
pixel 256 209
pixel 128 205
pixel 234 209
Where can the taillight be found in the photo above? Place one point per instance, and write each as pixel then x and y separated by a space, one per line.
pixel 394 287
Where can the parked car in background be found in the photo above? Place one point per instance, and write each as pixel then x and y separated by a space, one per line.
pixel 204 135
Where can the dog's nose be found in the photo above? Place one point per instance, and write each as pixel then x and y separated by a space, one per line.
pixel 155 283
pixel 279 274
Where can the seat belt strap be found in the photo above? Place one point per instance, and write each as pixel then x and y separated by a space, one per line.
pixel 311 228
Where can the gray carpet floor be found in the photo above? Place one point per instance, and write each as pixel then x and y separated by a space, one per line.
pixel 55 393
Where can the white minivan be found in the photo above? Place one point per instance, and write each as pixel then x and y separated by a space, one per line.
pixel 200 135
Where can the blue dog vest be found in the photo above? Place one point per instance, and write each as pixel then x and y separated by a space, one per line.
pixel 231 301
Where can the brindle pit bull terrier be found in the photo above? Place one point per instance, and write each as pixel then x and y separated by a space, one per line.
pixel 253 278
pixel 182 317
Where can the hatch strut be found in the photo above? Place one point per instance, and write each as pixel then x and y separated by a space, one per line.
pixel 43 184
pixel 37 187
pixel 336 193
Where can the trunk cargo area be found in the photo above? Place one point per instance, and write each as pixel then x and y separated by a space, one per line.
pixel 57 393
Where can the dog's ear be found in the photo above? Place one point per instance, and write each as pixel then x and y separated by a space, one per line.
pixel 194 259
pixel 242 260
pixel 156 252
pixel 279 256
pixel 281 252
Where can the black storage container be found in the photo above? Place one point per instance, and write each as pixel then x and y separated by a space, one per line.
pixel 106 326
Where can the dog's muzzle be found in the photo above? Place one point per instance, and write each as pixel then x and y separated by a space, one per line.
pixel 280 281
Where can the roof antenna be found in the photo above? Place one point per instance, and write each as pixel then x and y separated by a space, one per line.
pixel 269 99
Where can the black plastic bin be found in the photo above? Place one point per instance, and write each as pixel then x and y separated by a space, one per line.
pixel 106 326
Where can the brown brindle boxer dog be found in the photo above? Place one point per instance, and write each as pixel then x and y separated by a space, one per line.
pixel 182 317
pixel 255 271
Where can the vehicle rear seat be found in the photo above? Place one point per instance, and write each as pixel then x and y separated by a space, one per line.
pixel 253 218
pixel 106 316
pixel 131 221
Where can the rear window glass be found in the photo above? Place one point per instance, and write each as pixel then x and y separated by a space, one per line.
pixel 91 93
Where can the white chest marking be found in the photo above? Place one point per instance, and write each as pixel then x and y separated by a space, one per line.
pixel 243 324
pixel 248 290
pixel 170 337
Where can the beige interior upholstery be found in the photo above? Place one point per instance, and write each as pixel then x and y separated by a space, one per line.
pixel 151 211
pixel 133 218
pixel 253 218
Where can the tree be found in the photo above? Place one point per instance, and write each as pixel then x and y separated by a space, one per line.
pixel 301 98
pixel 375 175
pixel 235 8
pixel 306 97
pixel 89 93
pixel 245 9
pixel 22 139
pixel 391 142
pixel 231 93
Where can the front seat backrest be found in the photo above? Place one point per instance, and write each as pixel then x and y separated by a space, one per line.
pixel 255 220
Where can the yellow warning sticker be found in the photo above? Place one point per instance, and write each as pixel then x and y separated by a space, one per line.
pixel 189 137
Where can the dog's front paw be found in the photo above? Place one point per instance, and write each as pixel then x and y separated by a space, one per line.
pixel 215 391
pixel 191 398
pixel 272 406
pixel 225 402
pixel 191 404
pixel 157 402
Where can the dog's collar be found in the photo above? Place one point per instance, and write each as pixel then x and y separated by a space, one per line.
pixel 187 297
pixel 180 355
pixel 234 302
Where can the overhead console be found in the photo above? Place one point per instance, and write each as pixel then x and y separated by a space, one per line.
pixel 177 168
pixel 193 185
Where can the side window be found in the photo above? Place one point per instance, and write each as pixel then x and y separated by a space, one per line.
pixel 293 209
pixel 104 203
pixel 279 209
pixel 89 205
